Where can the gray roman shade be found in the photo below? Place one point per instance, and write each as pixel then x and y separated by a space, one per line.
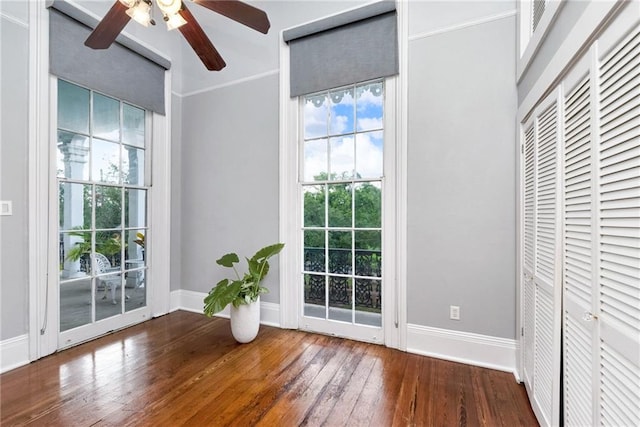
pixel 119 71
pixel 355 46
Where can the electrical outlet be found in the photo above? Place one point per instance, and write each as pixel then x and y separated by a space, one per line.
pixel 454 312
pixel 6 207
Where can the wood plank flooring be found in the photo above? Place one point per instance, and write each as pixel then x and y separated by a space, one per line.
pixel 186 369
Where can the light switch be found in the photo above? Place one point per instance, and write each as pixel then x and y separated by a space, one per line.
pixel 6 207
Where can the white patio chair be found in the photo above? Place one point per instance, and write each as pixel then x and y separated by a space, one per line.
pixel 109 281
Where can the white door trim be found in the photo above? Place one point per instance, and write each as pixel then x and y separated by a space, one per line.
pixel 42 296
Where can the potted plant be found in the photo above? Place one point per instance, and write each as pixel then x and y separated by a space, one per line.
pixel 242 292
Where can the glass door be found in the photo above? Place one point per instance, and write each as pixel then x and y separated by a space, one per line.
pixel 102 207
pixel 341 186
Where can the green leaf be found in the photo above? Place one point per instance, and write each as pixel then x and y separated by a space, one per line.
pixel 228 260
pixel 254 267
pixel 268 251
pixel 221 295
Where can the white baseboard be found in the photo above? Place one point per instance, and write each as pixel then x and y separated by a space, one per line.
pixel 194 301
pixel 14 352
pixel 464 347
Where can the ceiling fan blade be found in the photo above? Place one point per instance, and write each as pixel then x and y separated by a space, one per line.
pixel 109 28
pixel 195 36
pixel 240 12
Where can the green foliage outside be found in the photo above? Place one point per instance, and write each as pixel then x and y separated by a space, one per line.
pixel 368 207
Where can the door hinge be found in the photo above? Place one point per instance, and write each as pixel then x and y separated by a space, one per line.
pixel 522 331
pixel 522 148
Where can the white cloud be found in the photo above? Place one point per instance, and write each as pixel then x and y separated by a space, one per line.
pixel 370 123
pixel 368 156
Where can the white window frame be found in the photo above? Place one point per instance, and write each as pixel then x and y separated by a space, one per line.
pixel 42 192
pixel 394 198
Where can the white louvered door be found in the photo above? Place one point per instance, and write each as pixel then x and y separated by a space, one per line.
pixel 599 149
pixel 541 293
pixel 619 229
pixel 529 253
pixel 578 255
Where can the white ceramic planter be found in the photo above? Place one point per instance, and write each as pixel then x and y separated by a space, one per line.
pixel 245 321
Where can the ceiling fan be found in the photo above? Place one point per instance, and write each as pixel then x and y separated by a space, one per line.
pixel 176 15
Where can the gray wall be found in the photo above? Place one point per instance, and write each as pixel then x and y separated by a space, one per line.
pixel 461 195
pixel 461 173
pixel 14 88
pixel 229 180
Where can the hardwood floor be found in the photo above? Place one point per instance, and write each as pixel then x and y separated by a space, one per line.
pixel 186 369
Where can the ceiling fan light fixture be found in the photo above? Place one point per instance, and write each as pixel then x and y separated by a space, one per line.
pixel 141 13
pixel 169 7
pixel 174 21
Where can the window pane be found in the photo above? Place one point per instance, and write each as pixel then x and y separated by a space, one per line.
pixel 342 109
pixel 105 158
pixel 73 156
pixel 369 154
pixel 108 202
pixel 135 275
pixel 74 249
pixel 368 205
pixel 73 107
pixel 133 125
pixel 135 290
pixel 75 206
pixel 75 303
pixel 134 249
pixel 314 255
pixel 314 295
pixel 314 205
pixel 133 165
pixel 341 160
pixel 315 116
pixel 369 107
pixel 108 295
pixel 368 252
pixel 135 214
pixel 340 298
pixel 109 247
pixel 368 307
pixel 339 205
pixel 340 252
pixel 315 160
pixel 106 117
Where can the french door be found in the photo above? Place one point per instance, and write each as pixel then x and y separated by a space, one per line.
pixel 341 191
pixel 102 147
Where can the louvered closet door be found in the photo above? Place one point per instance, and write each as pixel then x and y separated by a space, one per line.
pixel 578 261
pixel 619 229
pixel 541 292
pixel 546 322
pixel 529 254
